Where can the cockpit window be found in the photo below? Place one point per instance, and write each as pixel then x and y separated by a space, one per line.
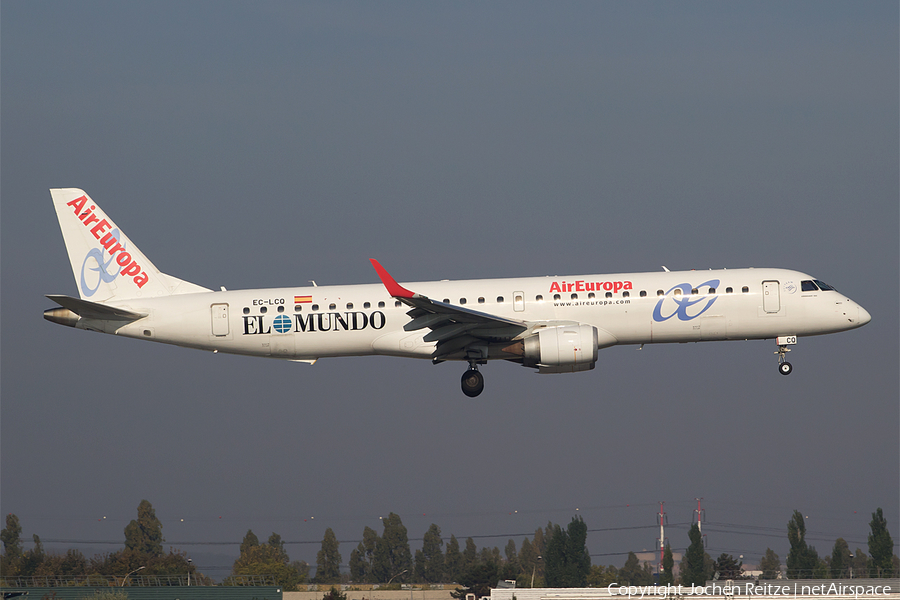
pixel 808 286
pixel 824 286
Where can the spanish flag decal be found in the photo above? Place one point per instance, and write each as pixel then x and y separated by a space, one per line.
pixel 302 299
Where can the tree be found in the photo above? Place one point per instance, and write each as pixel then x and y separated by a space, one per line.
pixel 881 547
pixel 693 570
pixel 512 557
pixel 601 576
pixel 667 577
pixel 802 560
pixel 479 580
pixel 860 564
pixel 392 558
pixel 770 565
pixel 11 535
pixel 362 557
pixel 433 557
pixel 268 559
pixel 33 559
pixel 469 557
pixel 249 541
pixel 453 560
pixel 276 542
pixel 633 573
pixel 567 561
pixel 727 567
pixel 840 559
pixel 328 560
pixel 334 594
pixel 144 535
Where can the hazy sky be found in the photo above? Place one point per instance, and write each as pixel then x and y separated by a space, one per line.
pixel 266 144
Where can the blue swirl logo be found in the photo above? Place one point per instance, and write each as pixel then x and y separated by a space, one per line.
pixel 101 268
pixel 282 323
pixel 684 301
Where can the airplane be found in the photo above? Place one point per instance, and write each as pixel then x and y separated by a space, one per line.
pixel 551 324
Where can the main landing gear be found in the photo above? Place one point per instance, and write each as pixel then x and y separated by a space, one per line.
pixel 472 380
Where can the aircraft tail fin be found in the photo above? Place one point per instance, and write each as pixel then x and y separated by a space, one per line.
pixel 106 264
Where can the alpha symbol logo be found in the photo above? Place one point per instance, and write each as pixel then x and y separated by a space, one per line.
pixel 685 299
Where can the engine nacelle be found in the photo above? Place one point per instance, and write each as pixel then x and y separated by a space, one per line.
pixel 564 349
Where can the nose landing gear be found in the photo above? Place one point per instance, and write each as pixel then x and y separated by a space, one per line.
pixel 784 367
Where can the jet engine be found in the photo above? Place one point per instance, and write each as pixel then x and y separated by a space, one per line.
pixel 564 349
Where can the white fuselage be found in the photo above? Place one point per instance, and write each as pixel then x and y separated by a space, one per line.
pixel 307 323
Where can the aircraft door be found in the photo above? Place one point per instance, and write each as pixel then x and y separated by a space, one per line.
pixel 771 300
pixel 518 301
pixel 219 314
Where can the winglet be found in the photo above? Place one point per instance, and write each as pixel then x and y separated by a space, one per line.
pixel 394 289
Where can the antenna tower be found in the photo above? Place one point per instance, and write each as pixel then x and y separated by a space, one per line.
pixel 700 513
pixel 662 519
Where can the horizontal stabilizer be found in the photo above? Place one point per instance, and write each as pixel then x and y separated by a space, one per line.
pixel 94 310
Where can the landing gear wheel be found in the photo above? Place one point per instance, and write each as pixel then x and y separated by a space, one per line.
pixel 785 368
pixel 472 383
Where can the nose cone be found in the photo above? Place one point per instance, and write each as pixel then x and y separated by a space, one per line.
pixel 864 316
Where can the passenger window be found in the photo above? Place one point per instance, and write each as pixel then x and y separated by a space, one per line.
pixel 694 292
pixel 462 300
pixel 315 307
pixel 591 295
pixel 712 290
pixel 349 305
pixel 446 300
pixel 263 310
pixel 281 309
pixel 499 299
pixel 366 305
pixel 539 298
pixel 728 290
pixel 677 291
pixel 556 296
pixel 332 306
pixel 574 296
pixel 380 305
pixel 481 300
pixel 298 307
pixel 246 311
pixel 609 294
pixel 660 293
pixel 745 289
pixel 643 293
pixel 397 304
pixel 626 295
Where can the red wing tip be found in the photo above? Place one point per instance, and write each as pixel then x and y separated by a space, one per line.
pixel 394 289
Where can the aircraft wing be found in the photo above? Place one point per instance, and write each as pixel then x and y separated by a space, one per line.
pixel 452 327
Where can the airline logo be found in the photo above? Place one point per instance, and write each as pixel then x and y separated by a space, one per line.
pixel 302 299
pixel 590 286
pixel 311 322
pixel 685 302
pixel 111 242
